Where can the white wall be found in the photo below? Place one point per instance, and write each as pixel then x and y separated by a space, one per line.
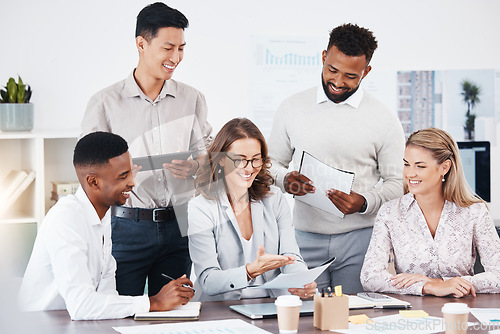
pixel 67 50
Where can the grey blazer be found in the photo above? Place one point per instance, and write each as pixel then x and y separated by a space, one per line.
pixel 215 245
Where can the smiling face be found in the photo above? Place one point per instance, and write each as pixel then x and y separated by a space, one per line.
pixel 422 174
pixel 160 55
pixel 342 74
pixel 115 180
pixel 242 178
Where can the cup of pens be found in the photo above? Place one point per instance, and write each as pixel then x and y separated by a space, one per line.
pixel 331 309
pixel 288 309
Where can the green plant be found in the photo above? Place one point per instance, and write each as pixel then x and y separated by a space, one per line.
pixel 15 92
pixel 470 93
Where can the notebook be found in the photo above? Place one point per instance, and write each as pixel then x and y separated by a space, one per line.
pixel 268 310
pixel 190 311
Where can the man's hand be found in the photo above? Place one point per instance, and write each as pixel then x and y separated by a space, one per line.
pixel 265 262
pixel 307 291
pixel 347 204
pixel 457 286
pixel 298 184
pixel 182 169
pixel 172 295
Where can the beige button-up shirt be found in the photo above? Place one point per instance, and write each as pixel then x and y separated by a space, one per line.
pixel 175 121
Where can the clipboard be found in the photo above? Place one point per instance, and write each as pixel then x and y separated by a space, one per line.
pixel 153 162
pixel 324 177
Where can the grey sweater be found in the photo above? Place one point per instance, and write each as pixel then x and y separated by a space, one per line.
pixel 360 135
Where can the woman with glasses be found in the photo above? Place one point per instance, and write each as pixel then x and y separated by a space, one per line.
pixel 433 230
pixel 240 227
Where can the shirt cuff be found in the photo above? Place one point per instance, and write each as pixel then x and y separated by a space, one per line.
pixel 141 304
pixel 279 181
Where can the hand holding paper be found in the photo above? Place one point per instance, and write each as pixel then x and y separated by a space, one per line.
pixel 346 203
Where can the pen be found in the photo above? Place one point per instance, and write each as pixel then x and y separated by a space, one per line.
pixel 397 307
pixel 172 279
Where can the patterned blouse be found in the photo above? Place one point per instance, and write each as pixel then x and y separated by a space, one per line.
pixel 400 227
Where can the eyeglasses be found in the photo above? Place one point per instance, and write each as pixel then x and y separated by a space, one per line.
pixel 243 163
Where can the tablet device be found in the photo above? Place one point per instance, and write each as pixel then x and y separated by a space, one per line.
pixel 268 310
pixel 157 161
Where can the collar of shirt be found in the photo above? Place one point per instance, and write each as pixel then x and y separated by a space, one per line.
pixel 408 201
pixel 132 89
pixel 354 100
pixel 89 210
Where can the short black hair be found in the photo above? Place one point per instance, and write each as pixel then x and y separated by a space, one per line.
pixel 156 16
pixel 353 40
pixel 96 148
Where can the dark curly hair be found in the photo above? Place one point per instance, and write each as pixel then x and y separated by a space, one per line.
pixel 97 148
pixel 353 40
pixel 209 176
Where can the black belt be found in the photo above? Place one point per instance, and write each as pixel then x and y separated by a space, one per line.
pixel 156 215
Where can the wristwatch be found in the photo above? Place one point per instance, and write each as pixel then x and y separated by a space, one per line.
pixel 363 208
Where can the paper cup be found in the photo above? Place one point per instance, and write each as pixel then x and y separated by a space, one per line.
pixel 288 308
pixel 455 317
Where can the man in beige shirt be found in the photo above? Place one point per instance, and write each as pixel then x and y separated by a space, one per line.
pixel 156 115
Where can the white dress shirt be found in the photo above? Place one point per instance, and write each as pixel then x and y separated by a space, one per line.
pixel 71 266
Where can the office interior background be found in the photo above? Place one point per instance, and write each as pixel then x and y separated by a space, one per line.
pixel 68 50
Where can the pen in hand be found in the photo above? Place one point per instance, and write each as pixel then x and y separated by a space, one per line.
pixel 173 279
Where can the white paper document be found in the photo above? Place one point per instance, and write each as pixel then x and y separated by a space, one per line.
pixel 324 177
pixel 489 316
pixel 397 324
pixel 229 326
pixel 295 280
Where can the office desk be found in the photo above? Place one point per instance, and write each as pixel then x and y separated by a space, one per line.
pixel 56 322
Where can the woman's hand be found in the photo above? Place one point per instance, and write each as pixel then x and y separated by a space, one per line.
pixel 307 292
pixel 457 286
pixel 266 262
pixel 405 280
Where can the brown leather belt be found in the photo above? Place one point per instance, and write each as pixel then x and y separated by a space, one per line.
pixel 156 215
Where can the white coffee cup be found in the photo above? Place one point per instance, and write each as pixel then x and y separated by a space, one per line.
pixel 455 317
pixel 288 307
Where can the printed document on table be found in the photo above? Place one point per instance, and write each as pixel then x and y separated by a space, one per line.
pixel 295 280
pixel 324 177
pixel 396 324
pixel 229 326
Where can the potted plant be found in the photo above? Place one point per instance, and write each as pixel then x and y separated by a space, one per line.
pixel 16 113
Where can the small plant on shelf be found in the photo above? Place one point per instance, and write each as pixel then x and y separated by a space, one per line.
pixel 16 113
pixel 15 92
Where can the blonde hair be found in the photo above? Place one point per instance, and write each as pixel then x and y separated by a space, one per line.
pixel 443 147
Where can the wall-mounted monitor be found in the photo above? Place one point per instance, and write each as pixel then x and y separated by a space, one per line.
pixel 475 156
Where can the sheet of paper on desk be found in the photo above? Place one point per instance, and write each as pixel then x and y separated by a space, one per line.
pixel 490 316
pixel 295 280
pixel 324 177
pixel 216 326
pixel 396 324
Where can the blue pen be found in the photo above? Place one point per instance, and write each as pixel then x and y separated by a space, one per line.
pixel 172 279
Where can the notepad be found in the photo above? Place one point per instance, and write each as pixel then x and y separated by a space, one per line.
pixel 190 311
pixel 414 314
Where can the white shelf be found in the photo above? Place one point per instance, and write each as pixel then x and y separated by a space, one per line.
pixel 47 152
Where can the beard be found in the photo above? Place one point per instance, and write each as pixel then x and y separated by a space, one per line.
pixel 336 98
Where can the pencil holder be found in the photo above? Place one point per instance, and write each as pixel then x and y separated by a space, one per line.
pixel 331 312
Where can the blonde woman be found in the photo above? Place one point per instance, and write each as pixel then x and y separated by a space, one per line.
pixel 434 229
